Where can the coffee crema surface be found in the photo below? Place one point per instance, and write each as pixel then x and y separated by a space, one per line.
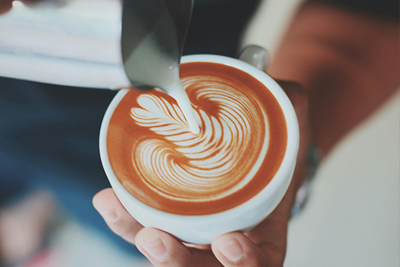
pixel 239 149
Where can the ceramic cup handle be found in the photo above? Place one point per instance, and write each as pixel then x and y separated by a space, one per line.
pixel 256 56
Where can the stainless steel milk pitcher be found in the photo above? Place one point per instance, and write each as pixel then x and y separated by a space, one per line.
pixel 67 42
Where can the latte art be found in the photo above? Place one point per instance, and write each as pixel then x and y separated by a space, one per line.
pixel 219 161
pixel 239 149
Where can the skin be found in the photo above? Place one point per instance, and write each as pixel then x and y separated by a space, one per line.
pixel 264 245
pixel 5 6
pixel 343 66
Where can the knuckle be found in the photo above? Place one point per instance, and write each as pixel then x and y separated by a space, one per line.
pixel 296 93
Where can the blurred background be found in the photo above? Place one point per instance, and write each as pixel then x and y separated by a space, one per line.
pixel 351 219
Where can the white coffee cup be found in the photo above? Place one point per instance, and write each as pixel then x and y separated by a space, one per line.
pixel 202 229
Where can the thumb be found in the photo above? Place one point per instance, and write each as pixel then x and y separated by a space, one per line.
pixel 236 249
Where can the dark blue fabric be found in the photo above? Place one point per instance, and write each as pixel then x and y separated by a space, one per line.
pixel 49 134
pixel 217 28
pixel 49 139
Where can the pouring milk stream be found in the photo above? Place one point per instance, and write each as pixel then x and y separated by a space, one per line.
pixel 99 44
pixel 153 34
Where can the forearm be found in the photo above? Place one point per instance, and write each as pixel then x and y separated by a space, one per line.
pixel 348 64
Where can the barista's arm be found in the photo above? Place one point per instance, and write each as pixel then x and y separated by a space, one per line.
pixel 347 62
pixel 5 6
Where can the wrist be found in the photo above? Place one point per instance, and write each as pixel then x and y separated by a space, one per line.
pixel 303 192
pixel 301 186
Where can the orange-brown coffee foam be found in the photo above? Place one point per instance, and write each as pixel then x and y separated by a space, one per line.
pixel 160 162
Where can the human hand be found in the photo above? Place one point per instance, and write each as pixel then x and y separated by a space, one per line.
pixel 264 245
pixel 6 5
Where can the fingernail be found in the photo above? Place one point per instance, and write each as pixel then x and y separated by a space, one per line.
pixel 109 216
pixel 233 251
pixel 157 250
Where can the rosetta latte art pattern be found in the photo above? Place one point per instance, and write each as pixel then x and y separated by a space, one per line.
pixel 219 161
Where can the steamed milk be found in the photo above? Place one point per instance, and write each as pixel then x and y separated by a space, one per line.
pixel 151 55
pixel 179 94
pixel 239 148
pixel 166 73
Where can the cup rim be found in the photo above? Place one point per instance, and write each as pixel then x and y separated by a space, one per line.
pixel 275 184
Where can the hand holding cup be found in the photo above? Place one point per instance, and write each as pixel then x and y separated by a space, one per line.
pixel 264 245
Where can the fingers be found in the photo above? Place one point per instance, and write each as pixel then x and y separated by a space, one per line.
pixel 115 215
pixel 297 95
pixel 164 250
pixel 5 6
pixel 237 250
pixel 299 98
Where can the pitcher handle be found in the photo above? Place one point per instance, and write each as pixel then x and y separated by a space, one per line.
pixel 256 56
